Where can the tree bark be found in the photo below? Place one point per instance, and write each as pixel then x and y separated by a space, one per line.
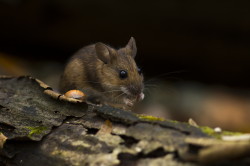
pixel 41 127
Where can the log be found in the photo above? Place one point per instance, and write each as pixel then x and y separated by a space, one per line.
pixel 41 127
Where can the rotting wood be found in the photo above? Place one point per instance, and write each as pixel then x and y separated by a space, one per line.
pixel 43 127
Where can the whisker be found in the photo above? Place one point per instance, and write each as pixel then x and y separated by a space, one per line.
pixel 99 83
pixel 119 95
pixel 146 90
pixel 111 91
pixel 166 74
pixel 115 87
pixel 92 82
pixel 150 85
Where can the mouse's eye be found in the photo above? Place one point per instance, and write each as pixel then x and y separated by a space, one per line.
pixel 139 71
pixel 123 74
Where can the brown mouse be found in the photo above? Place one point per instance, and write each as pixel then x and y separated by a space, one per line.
pixel 109 75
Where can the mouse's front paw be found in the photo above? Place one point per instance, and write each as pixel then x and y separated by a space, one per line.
pixel 95 100
pixel 128 102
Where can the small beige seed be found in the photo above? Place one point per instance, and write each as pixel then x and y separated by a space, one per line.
pixel 76 94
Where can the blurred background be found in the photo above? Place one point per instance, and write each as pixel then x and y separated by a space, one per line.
pixel 195 55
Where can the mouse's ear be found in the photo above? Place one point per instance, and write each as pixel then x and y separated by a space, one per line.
pixel 105 53
pixel 131 47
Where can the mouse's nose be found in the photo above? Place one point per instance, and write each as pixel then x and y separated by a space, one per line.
pixel 135 89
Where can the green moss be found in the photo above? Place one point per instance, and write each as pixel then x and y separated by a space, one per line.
pixel 209 131
pixel 150 118
pixel 218 135
pixel 36 130
pixel 229 133
pixel 174 121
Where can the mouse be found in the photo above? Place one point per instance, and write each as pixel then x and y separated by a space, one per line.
pixel 106 75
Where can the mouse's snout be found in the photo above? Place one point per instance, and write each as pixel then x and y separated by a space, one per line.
pixel 134 91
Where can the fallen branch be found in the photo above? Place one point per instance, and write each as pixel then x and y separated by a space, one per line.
pixel 43 127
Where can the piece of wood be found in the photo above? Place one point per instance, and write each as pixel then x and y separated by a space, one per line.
pixel 38 126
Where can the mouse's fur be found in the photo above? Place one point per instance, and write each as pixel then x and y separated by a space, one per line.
pixel 95 70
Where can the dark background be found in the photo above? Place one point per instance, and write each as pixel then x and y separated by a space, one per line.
pixel 178 41
pixel 209 40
